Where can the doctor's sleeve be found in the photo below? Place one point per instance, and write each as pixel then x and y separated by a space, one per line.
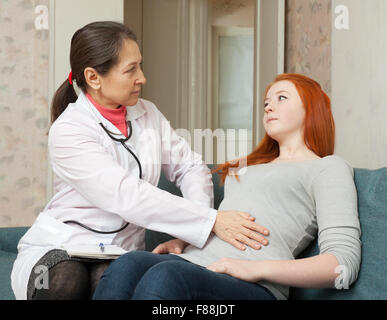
pixel 79 159
pixel 184 167
pixel 337 219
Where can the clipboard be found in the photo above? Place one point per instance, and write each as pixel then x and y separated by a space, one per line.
pixel 110 251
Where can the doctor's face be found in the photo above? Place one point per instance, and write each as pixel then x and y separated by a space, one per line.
pixel 122 84
pixel 284 105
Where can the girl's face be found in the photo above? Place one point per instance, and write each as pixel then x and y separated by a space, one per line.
pixel 122 85
pixel 283 104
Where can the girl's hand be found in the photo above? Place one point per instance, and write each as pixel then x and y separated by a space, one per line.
pixel 246 270
pixel 171 246
pixel 238 228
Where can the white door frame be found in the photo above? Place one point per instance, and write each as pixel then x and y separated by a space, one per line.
pixel 192 46
pixel 269 55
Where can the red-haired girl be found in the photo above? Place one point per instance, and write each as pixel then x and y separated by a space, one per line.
pixel 293 185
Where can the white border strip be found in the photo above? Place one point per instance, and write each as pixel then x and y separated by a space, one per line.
pixel 51 90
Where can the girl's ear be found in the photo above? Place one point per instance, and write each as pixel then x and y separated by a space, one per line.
pixel 92 78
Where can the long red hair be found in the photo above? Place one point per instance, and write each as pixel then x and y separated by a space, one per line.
pixel 319 132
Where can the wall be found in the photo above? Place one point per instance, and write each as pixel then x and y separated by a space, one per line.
pixel 30 70
pixel 24 64
pixel 350 65
pixel 160 54
pixel 359 95
pixel 308 40
pixel 67 21
pixel 235 13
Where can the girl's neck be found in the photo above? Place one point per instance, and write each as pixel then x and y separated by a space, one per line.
pixel 301 155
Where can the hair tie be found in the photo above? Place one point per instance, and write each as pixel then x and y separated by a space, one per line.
pixel 71 77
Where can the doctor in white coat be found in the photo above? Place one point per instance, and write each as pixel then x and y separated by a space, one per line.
pixel 106 182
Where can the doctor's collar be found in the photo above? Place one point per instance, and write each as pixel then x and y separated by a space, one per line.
pixel 132 112
pixel 136 111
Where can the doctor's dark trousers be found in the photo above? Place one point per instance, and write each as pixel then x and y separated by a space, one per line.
pixel 141 275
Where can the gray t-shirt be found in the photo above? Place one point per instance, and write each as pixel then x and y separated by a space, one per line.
pixel 295 201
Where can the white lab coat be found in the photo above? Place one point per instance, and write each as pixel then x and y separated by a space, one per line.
pixel 97 183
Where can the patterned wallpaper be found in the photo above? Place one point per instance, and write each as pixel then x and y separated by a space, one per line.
pixel 24 49
pixel 308 40
pixel 24 106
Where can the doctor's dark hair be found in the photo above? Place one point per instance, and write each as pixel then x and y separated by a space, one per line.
pixel 96 45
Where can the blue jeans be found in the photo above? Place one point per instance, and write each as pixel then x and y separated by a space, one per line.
pixel 141 275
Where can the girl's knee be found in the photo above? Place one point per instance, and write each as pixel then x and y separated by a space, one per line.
pixel 166 271
pixel 121 277
pixel 164 280
pixel 127 261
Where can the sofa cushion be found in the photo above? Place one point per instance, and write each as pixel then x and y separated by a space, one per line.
pixel 371 187
pixel 9 238
pixel 6 264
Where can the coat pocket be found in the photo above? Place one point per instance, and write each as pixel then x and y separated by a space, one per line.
pixel 47 231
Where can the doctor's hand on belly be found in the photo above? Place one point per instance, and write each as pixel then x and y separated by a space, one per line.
pixel 235 227
pixel 239 229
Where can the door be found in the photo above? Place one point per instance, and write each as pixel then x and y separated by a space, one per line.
pixel 190 48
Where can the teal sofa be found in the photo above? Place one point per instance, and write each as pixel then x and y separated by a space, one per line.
pixel 372 203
